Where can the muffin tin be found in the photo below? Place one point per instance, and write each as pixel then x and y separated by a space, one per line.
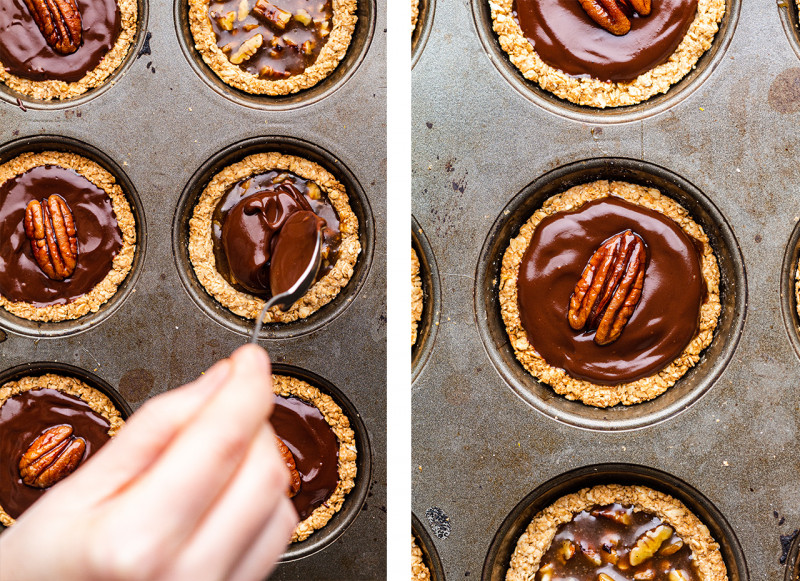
pixel 487 146
pixel 431 300
pixel 158 125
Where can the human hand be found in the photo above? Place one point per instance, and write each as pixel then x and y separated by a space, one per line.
pixel 192 487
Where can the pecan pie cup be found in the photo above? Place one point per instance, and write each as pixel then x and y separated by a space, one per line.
pixel 345 454
pixel 684 529
pixel 104 235
pixel 46 402
pixel 64 68
pixel 264 27
pixel 593 370
pixel 203 223
pixel 582 86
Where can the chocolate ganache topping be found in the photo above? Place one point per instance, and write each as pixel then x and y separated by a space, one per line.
pixel 302 427
pixel 664 320
pixel 617 543
pixel 24 51
pixel 250 221
pixel 566 38
pixel 98 236
pixel 23 418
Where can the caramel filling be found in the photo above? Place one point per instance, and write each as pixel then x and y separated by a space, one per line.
pixel 272 39
pixel 665 319
pixel 616 543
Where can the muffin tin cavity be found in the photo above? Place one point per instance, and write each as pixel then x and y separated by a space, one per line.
pixel 232 154
pixel 359 45
pixel 26 102
pixel 505 540
pixel 36 329
pixel 688 389
pixel 658 103
pixel 429 554
pixel 431 301
pixel 356 497
pixel 790 18
pixel 789 288
pixel 422 30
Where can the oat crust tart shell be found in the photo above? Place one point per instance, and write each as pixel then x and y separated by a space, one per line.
pixel 419 570
pixel 416 296
pixel 52 89
pixel 609 393
pixel 338 422
pixel 201 243
pixel 538 536
pixel 95 400
pixel 592 92
pixel 120 220
pixel 332 52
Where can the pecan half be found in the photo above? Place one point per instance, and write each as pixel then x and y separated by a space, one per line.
pixel 50 227
pixel 609 288
pixel 614 15
pixel 294 475
pixel 54 455
pixel 59 22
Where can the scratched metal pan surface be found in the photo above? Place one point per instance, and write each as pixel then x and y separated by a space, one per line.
pixel 161 123
pixel 488 148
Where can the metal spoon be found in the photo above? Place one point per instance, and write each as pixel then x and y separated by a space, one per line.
pixel 287 298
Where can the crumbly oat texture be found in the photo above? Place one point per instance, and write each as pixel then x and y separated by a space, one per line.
pixel 797 276
pixel 419 571
pixel 49 90
pixel 593 92
pixel 576 389
pixel 201 245
pixel 69 385
pixel 536 539
pixel 415 14
pixel 123 261
pixel 416 296
pixel 286 386
pixel 344 23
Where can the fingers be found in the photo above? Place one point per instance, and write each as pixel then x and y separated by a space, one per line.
pixel 145 436
pixel 247 506
pixel 200 460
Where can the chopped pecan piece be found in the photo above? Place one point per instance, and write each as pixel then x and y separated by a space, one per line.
pixel 54 455
pixel 278 17
pixel 247 49
pixel 614 15
pixel 648 544
pixel 294 475
pixel 50 227
pixel 609 288
pixel 59 22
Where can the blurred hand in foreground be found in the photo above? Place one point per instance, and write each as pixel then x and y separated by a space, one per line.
pixel 192 487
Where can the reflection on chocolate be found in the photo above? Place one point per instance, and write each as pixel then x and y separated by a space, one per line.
pixel 294 251
pixel 25 53
pixel 663 322
pixel 566 38
pixel 248 218
pixel 315 448
pixel 22 419
pixel 600 541
pixel 292 35
pixel 99 236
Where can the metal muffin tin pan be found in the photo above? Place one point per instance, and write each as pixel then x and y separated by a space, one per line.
pixel 158 127
pixel 490 442
pixel 431 300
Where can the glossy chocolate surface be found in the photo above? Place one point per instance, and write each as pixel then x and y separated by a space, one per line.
pixel 607 534
pixel 281 54
pixel 315 447
pixel 294 251
pixel 567 39
pixel 25 53
pixel 23 418
pixel 250 217
pixel 664 322
pixel 99 236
